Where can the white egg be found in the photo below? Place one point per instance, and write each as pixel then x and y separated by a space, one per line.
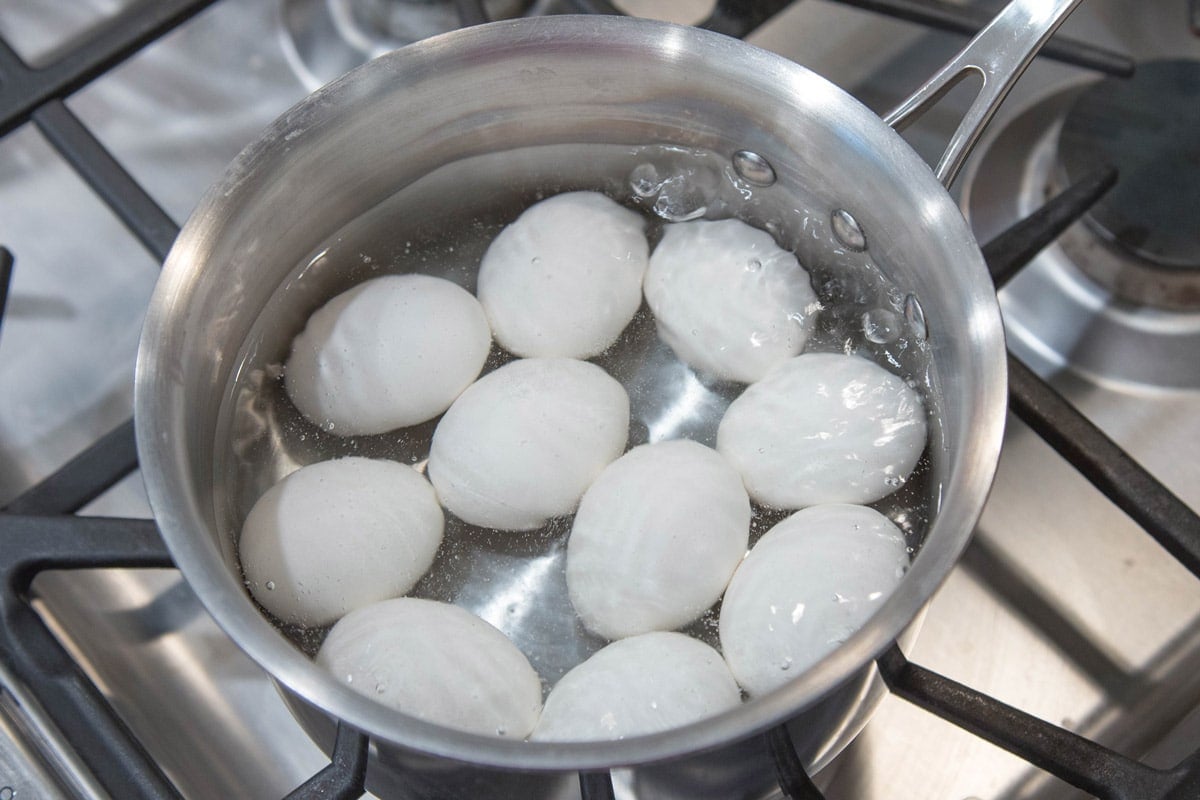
pixel 565 278
pixel 337 535
pixel 436 662
pixel 824 428
pixel 656 539
pixel 391 352
pixel 805 587
pixel 727 299
pixel 640 685
pixel 523 443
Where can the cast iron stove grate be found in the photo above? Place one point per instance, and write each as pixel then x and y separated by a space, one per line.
pixel 39 530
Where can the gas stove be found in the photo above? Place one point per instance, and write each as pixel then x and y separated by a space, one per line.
pixel 1063 606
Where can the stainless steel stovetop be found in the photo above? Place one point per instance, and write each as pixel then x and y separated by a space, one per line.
pixel 1062 607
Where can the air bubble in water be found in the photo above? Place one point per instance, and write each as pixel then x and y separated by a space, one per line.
pixel 270 586
pixel 680 201
pixel 881 326
pixel 645 181
pixel 832 291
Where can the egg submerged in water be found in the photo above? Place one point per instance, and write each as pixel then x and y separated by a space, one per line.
pixel 656 539
pixel 565 278
pixel 728 300
pixel 824 428
pixel 337 535
pixel 523 443
pixel 805 587
pixel 436 662
pixel 640 685
pixel 391 352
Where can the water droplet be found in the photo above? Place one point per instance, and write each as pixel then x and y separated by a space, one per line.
pixel 753 168
pixel 916 317
pixel 881 326
pixel 847 230
pixel 894 481
pixel 535 260
pixel 501 730
pixel 645 181
pixel 786 664
pixel 270 586
pixel 349 678
pixel 380 688
pixel 753 265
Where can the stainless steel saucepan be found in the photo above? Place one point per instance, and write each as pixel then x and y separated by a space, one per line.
pixel 503 111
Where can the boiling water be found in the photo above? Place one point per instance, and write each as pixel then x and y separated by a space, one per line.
pixel 441 226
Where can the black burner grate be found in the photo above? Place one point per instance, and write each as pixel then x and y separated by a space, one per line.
pixel 39 530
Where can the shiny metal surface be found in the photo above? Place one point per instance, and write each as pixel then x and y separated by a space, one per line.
pixel 32 764
pixel 67 348
pixel 1069 554
pixel 998 56
pixel 543 82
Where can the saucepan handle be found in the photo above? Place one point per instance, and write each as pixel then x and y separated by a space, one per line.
pixel 998 54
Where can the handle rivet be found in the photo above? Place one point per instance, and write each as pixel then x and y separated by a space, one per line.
pixel 753 168
pixel 847 230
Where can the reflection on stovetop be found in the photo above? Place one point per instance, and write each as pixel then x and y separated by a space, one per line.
pixel 1062 607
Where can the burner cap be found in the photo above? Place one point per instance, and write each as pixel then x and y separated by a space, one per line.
pixel 1148 127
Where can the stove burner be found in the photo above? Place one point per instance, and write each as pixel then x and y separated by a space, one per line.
pixel 324 39
pixel 1073 305
pixel 1147 126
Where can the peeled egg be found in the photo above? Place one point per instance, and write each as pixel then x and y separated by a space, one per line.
pixel 338 535
pixel 523 443
pixel 656 539
pixel 565 278
pixel 805 587
pixel 727 299
pixel 640 685
pixel 391 352
pixel 824 428
pixel 436 662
